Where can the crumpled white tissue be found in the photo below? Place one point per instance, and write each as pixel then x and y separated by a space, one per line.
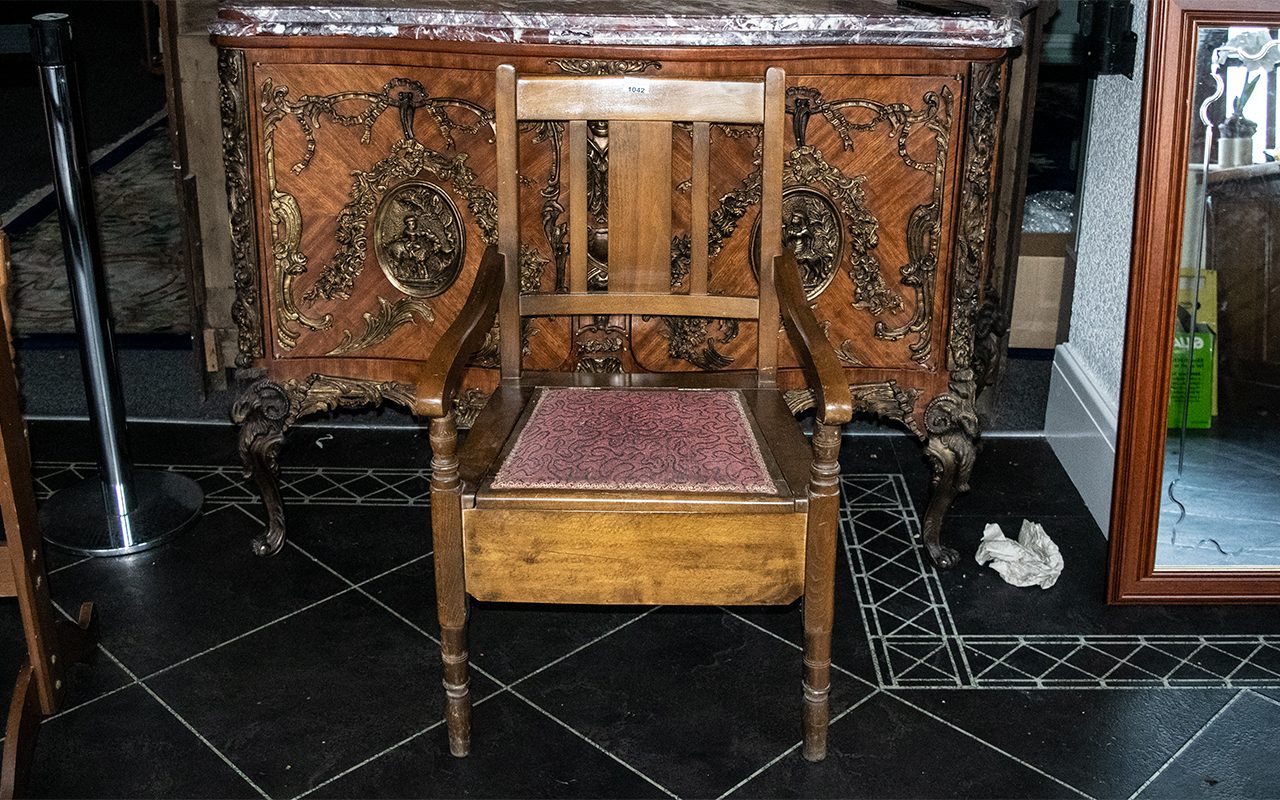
pixel 1033 560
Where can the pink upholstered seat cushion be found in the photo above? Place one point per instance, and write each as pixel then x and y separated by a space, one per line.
pixel 637 439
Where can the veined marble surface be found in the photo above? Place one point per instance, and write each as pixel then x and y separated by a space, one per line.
pixel 645 22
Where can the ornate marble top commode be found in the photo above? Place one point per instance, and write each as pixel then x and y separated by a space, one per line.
pixel 647 22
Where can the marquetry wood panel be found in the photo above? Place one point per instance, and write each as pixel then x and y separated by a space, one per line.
pixel 328 167
pixel 883 163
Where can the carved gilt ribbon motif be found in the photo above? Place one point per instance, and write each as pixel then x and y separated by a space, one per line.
pixel 419 234
pixel 924 228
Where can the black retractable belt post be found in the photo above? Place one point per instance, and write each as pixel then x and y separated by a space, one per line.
pixel 121 510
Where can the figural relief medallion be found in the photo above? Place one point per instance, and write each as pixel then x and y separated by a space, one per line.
pixel 419 239
pixel 811 229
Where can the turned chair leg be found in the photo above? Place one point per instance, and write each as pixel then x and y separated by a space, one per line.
pixel 457 690
pixel 451 590
pixel 819 585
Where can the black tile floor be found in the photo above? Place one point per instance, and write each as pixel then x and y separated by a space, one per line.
pixel 316 673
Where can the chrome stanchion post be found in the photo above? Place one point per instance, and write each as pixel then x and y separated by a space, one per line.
pixel 121 510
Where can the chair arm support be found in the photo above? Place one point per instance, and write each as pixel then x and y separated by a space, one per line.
pixel 822 369
pixel 442 373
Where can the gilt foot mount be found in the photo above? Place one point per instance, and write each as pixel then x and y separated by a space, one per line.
pixel 952 426
pixel 267 410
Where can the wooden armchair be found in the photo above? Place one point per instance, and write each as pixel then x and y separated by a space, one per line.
pixel 693 488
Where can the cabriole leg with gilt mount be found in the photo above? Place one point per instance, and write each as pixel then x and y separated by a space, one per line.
pixel 268 409
pixel 451 590
pixel 819 586
pixel 952 425
pixel 263 413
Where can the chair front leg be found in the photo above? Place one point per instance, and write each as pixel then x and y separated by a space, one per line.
pixel 451 590
pixel 819 586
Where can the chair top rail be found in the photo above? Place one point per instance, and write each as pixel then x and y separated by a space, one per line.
pixel 680 305
pixel 561 97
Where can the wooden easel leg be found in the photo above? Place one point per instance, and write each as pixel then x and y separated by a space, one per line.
pixel 819 587
pixel 451 591
pixel 75 641
pixel 52 646
pixel 20 733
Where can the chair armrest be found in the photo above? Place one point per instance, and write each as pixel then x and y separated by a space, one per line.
pixel 444 368
pixel 822 369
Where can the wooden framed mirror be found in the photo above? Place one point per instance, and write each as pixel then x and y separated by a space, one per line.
pixel 1196 461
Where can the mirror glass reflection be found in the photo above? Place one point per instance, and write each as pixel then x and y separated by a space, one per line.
pixel 1220 506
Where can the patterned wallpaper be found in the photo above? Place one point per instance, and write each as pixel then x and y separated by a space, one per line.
pixel 1106 223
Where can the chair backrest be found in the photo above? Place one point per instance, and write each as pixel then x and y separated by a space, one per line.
pixel 640 113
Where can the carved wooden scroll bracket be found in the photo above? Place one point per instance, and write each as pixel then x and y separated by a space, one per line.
pixel 886 400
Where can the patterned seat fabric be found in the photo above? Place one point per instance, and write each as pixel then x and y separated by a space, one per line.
pixel 638 440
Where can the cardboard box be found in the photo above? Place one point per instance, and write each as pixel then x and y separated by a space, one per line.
pixel 1208 313
pixel 1199 401
pixel 1040 296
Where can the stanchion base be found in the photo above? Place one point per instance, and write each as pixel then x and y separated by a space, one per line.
pixel 165 505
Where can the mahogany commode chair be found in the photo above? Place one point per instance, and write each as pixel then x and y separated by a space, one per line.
pixel 692 488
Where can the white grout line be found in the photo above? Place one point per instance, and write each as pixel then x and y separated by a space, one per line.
pixel 1267 698
pixel 373 758
pixel 884 636
pixel 503 687
pixel 987 744
pixel 795 746
pixel 792 644
pixel 1187 745
pixel 890 496
pixel 134 680
pixel 935 602
pixel 588 740
pixel 206 742
pixel 392 748
pixel 247 633
pixel 244 508
pixel 359 587
pixel 762 770
pixel 582 647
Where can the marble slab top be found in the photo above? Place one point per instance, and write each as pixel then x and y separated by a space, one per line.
pixel 653 23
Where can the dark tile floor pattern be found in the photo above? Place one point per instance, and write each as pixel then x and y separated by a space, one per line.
pixel 316 673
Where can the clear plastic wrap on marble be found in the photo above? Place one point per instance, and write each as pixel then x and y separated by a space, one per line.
pixel 648 22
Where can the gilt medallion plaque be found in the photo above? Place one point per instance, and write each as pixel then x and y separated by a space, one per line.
pixel 811 227
pixel 419 239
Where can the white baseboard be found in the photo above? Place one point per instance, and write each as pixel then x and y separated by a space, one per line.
pixel 1080 426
